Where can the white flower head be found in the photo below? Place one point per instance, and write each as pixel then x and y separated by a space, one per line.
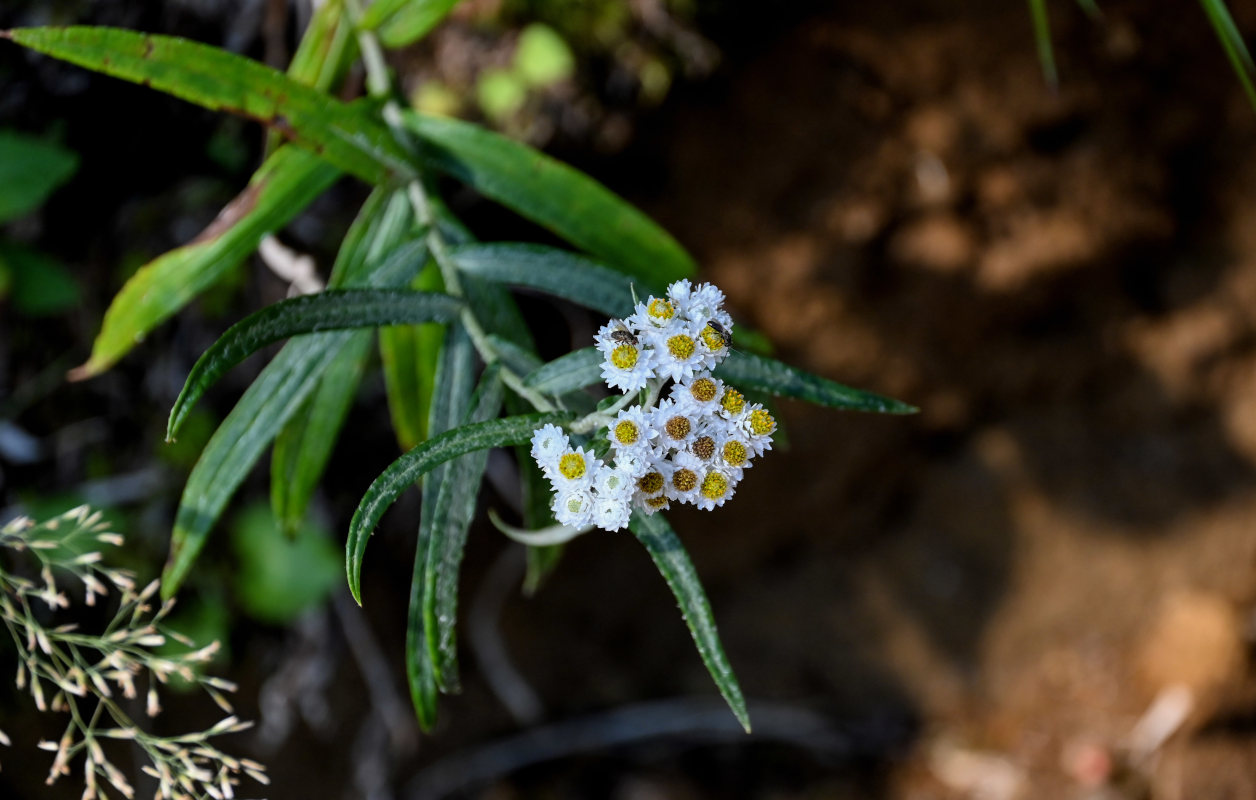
pixel 676 428
pixel 698 303
pixel 678 353
pixel 548 443
pixel 683 477
pixel 758 424
pixel 576 469
pixel 627 362
pixel 699 395
pixel 655 314
pixel 612 482
pixel 573 507
pixel 716 486
pixel 632 432
pixel 612 513
pixel 733 452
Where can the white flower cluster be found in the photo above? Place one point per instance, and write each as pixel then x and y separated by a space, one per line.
pixel 691 447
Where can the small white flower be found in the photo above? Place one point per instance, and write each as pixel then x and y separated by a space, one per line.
pixel 733 453
pixel 612 513
pixel 625 366
pixel 632 433
pixel 699 303
pixel 699 395
pixel 655 314
pixel 573 508
pixel 716 486
pixel 676 429
pixel 576 469
pixel 612 483
pixel 758 425
pixel 548 443
pixel 678 353
pixel 682 477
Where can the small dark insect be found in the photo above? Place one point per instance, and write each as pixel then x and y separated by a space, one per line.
pixel 721 331
pixel 624 336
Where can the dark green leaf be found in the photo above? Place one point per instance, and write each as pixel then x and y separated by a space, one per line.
pixel 673 563
pixel 1042 38
pixel 413 465
pixel 1233 44
pixel 41 285
pixel 576 370
pixel 557 272
pixel 408 354
pixel 516 358
pixel 769 375
pixel 455 507
pixel 554 195
pixel 536 492
pixel 279 190
pixel 278 577
pixel 331 310
pixel 305 444
pixel 30 169
pixel 349 136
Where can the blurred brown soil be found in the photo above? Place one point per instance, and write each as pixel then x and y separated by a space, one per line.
pixel 1065 283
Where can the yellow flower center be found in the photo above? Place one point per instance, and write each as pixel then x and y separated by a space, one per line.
pixel 681 347
pixel 656 502
pixel 714 486
pixel 734 453
pixel 651 482
pixel 761 422
pixel 703 390
pixel 704 447
pixel 660 310
pixel 733 401
pixel 684 480
pixel 572 466
pixel 575 505
pixel 626 432
pixel 677 427
pixel 624 357
pixel 712 339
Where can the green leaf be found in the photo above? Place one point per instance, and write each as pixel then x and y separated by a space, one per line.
pixel 554 195
pixel 280 390
pixel 567 373
pixel 1233 45
pixel 1042 38
pixel 403 22
pixel 553 271
pixel 41 285
pixel 452 514
pixel 542 57
pixel 536 494
pixel 673 563
pixel 500 93
pixel 518 359
pixel 454 377
pixel 278 577
pixel 1091 8
pixel 350 136
pixel 331 310
pixel 305 444
pixel 279 190
pixel 413 465
pixel 769 375
pixel 30 169
pixel 409 354
pixel 327 48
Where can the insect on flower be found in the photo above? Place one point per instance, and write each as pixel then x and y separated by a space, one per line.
pixel 622 335
pixel 725 336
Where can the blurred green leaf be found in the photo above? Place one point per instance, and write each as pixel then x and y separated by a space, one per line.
pixel 542 57
pixel 305 444
pixel 327 48
pixel 555 196
pixel 279 190
pixel 30 169
pixel 673 563
pixel 349 136
pixel 402 22
pixel 567 373
pixel 1233 44
pixel 279 577
pixel 408 354
pixel 330 310
pixel 41 286
pixel 558 272
pixel 747 371
pixel 500 93
pixel 1042 38
pixel 413 465
pixel 452 514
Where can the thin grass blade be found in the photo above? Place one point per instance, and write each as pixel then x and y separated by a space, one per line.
pixel 1233 45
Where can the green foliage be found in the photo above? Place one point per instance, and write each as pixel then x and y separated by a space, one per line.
pixel 774 377
pixel 38 284
pixel 542 57
pixel 280 577
pixel 30 170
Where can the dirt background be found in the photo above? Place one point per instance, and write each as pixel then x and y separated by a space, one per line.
pixel 983 600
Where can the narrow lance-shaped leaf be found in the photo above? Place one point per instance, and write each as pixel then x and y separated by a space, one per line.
pixel 277 393
pixel 279 190
pixel 747 371
pixel 455 507
pixel 558 272
pixel 554 195
pixel 350 136
pixel 327 48
pixel 305 444
pixel 403 22
pixel 673 563
pixel 413 465
pixel 453 386
pixel 567 373
pixel 1233 45
pixel 408 355
pixel 334 309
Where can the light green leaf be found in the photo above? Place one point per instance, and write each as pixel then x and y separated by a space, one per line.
pixel 30 169
pixel 349 136
pixel 278 577
pixel 452 514
pixel 542 57
pixel 413 465
pixel 403 22
pixel 409 354
pixel 519 360
pixel 558 272
pixel 327 48
pixel 747 371
pixel 305 444
pixel 673 563
pixel 567 373
pixel 554 195
pixel 279 190
pixel 331 310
